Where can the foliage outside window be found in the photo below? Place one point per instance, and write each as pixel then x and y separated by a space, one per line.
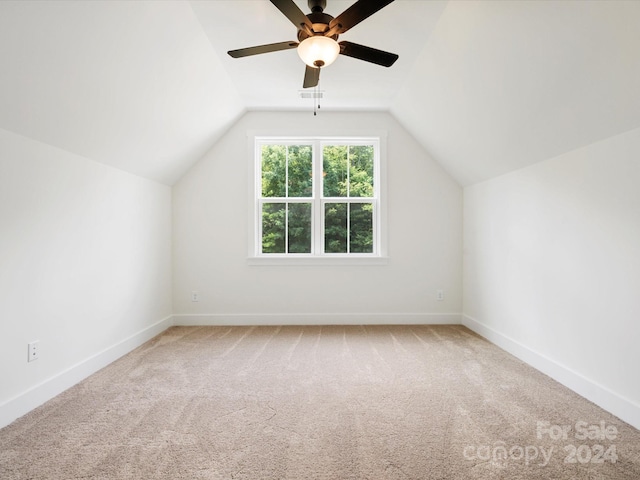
pixel 317 197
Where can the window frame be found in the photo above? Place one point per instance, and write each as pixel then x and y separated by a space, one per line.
pixel 318 202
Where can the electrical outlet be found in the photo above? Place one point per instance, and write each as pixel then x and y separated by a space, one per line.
pixel 195 296
pixel 440 295
pixel 33 349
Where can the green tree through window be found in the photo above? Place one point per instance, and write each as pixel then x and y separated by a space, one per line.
pixel 318 197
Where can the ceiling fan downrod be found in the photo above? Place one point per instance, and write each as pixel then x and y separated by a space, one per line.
pixel 319 22
pixel 317 5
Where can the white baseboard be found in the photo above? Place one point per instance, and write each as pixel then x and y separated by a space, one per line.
pixel 318 319
pixel 619 406
pixel 623 408
pixel 34 397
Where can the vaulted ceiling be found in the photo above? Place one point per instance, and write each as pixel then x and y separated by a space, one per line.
pixel 485 86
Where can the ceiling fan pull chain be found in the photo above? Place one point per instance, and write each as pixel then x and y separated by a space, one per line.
pixel 316 103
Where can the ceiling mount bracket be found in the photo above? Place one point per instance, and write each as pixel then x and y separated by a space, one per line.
pixel 317 5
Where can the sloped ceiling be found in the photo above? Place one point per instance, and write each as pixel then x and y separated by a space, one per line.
pixel 501 85
pixel 132 84
pixel 486 86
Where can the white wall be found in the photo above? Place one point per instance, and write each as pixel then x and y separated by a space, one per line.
pixel 552 268
pixel 211 238
pixel 85 268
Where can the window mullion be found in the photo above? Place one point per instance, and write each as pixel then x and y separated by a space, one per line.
pixel 286 172
pixel 258 194
pixel 318 186
pixel 347 199
pixel 348 171
pixel 348 226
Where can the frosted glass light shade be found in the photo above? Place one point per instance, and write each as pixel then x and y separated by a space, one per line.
pixel 318 51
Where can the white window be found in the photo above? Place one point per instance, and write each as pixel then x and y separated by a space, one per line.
pixel 317 198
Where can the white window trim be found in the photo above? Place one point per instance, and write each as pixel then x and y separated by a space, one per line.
pixel 380 257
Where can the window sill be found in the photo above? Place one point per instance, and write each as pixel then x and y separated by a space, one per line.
pixel 316 261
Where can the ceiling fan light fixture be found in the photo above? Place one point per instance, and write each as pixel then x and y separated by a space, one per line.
pixel 318 51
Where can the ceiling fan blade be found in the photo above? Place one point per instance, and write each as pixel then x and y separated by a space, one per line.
pixel 368 54
pixel 294 14
pixel 311 77
pixel 356 13
pixel 271 47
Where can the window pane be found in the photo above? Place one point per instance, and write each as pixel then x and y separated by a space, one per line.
pixel 335 228
pixel 293 193
pixel 300 171
pixel 273 227
pixel 334 170
pixel 299 228
pixel 361 171
pixel 274 166
pixel 361 228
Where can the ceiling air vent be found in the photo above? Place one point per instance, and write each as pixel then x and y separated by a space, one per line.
pixel 311 94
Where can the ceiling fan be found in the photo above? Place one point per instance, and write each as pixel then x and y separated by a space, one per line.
pixel 318 34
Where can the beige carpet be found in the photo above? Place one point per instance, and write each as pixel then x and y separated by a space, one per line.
pixel 401 402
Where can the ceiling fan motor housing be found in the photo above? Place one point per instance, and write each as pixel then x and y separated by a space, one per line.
pixel 320 24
